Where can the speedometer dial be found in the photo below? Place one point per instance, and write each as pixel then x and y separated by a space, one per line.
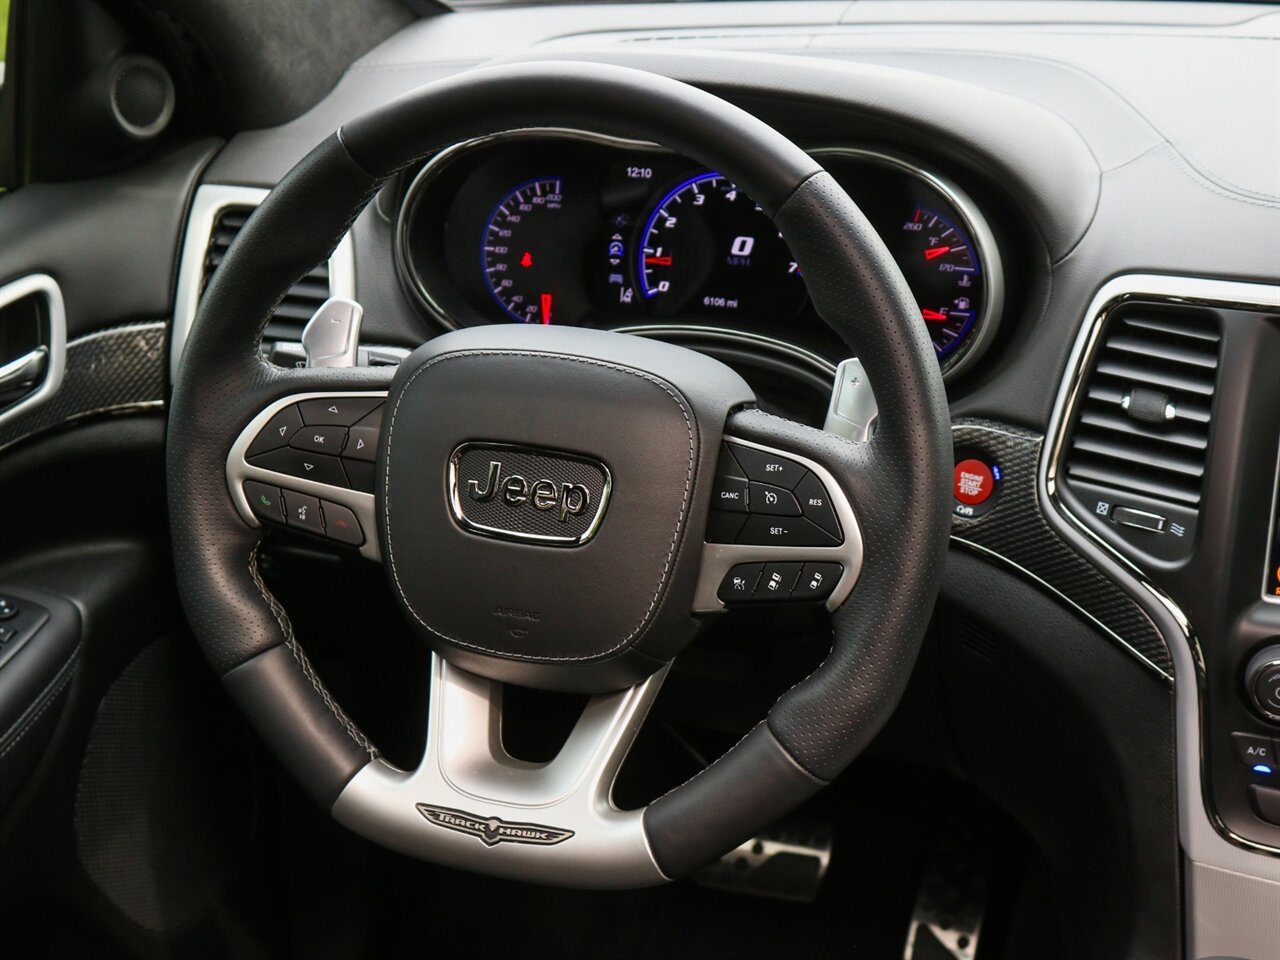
pixel 709 249
pixel 526 252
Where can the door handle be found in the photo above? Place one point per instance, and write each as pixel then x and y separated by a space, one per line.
pixel 34 377
pixel 25 373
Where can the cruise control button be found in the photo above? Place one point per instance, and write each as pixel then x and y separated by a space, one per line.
pixel 768 467
pixel 341 524
pixel 344 411
pixel 817 580
pixel 776 581
pixel 265 501
pixel 361 474
pixel 303 512
pixel 729 493
pixel 277 433
pixel 319 439
pixel 775 501
pixel 784 532
pixel 815 504
pixel 362 443
pixel 309 466
pixel 739 582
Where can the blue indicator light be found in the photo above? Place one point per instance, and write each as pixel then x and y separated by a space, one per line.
pixel 1262 768
pixel 995 472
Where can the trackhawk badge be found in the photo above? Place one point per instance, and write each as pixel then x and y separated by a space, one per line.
pixel 492 831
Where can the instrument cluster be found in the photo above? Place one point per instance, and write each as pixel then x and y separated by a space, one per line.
pixel 575 228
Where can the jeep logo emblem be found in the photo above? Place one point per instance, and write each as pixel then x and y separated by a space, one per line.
pixel 569 498
pixel 526 494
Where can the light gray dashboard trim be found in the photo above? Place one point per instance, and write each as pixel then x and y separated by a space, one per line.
pixel 1206 841
pixel 209 201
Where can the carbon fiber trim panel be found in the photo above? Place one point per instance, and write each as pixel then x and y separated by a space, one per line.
pixel 122 368
pixel 1015 530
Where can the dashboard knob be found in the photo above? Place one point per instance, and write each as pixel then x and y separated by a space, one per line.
pixel 1262 680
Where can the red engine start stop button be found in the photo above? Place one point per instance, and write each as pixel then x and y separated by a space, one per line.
pixel 974 482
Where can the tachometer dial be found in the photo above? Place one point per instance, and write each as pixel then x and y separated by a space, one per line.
pixel 709 249
pixel 938 259
pixel 527 250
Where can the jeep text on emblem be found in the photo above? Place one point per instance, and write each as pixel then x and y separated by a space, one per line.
pixel 521 493
pixel 491 831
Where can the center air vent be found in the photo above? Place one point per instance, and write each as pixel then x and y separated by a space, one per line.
pixel 302 300
pixel 1138 445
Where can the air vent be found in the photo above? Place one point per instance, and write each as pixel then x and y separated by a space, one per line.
pixel 303 298
pixel 1143 418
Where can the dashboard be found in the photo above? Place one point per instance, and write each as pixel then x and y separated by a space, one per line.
pixel 566 227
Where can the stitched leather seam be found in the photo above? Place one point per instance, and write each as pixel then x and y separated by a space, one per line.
pixel 675 535
pixel 24 724
pixel 290 641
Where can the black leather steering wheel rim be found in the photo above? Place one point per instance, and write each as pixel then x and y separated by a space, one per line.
pixel 898 483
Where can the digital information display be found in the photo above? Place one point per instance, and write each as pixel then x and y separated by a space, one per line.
pixel 1271 585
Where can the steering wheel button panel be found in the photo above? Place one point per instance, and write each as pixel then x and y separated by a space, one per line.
pixel 774 501
pixel 277 433
pixel 776 581
pixel 304 512
pixel 362 444
pixel 341 411
pixel 768 468
pixel 730 493
pixel 784 531
pixel 340 524
pixel 815 505
pixel 740 582
pixel 323 439
pixel 265 501
pixel 817 580
pixel 320 467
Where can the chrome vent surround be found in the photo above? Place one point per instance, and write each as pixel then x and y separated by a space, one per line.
pixel 304 297
pixel 1145 410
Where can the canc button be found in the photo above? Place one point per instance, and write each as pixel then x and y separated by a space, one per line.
pixel 973 482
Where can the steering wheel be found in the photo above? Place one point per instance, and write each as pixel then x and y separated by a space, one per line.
pixel 550 505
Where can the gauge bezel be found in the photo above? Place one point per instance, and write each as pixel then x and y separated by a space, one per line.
pixel 971 217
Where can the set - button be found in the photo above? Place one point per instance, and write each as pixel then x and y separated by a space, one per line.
pixel 764 498
pixel 329 440
pixel 777 582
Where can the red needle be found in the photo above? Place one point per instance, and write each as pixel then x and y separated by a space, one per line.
pixel 935 252
pixel 933 315
pixel 660 261
pixel 546 308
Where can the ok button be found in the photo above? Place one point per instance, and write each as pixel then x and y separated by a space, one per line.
pixel 319 439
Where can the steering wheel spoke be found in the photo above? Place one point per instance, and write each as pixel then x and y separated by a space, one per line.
pixel 470 804
pixel 308 461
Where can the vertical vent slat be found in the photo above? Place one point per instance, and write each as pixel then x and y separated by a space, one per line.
pixel 1144 414
pixel 303 298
